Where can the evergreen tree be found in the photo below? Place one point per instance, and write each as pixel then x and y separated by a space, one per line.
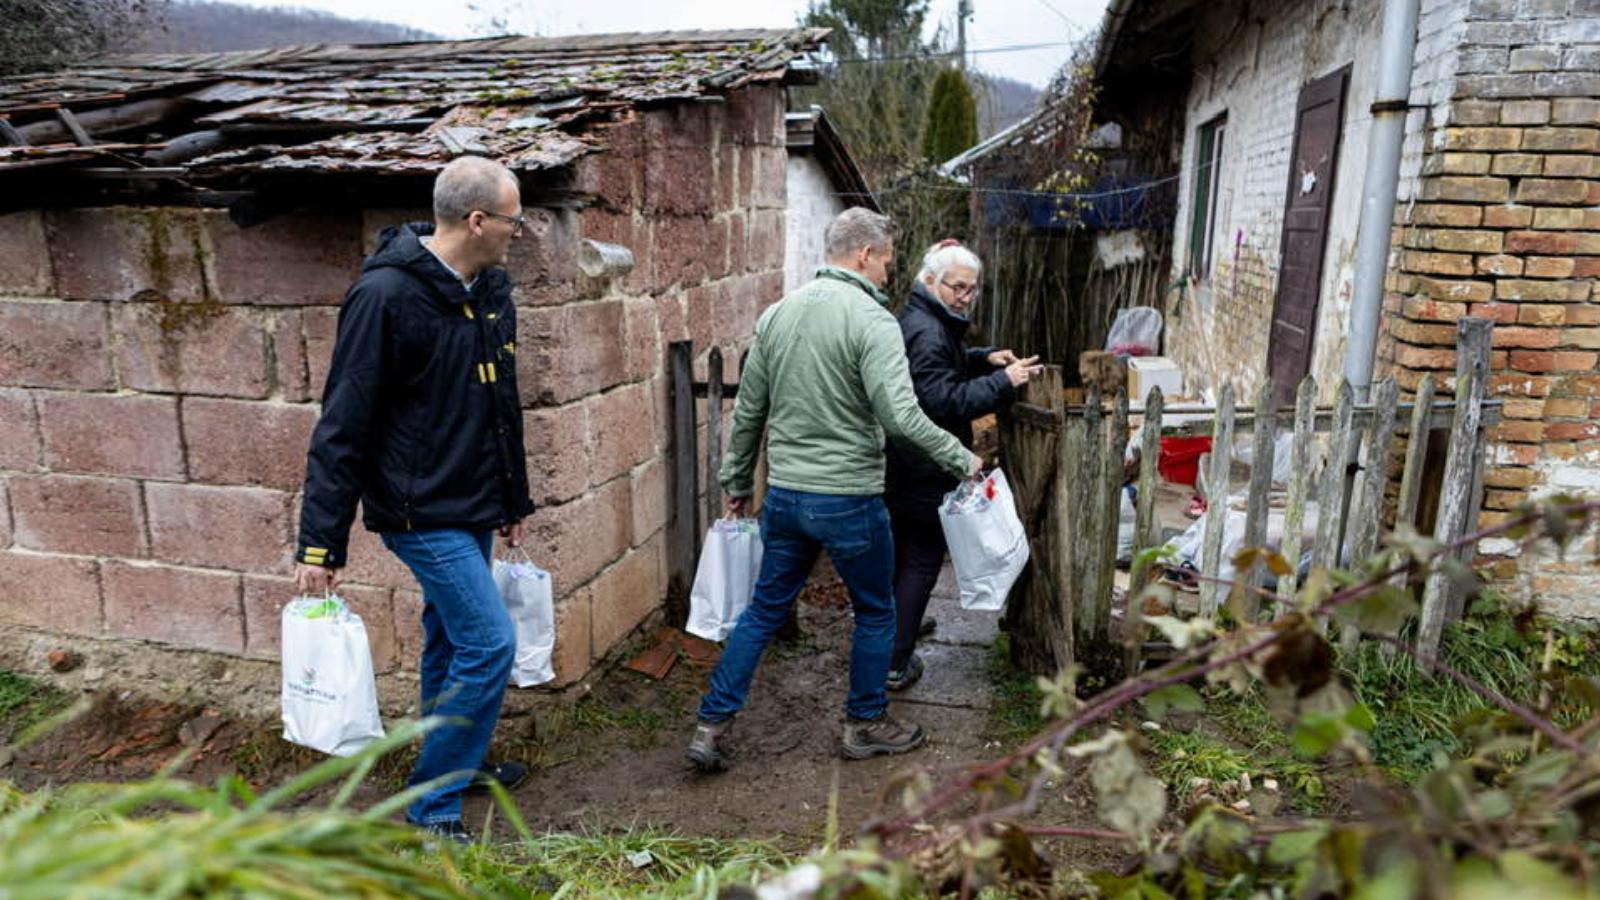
pixel 952 123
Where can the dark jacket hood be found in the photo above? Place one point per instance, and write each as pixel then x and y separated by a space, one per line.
pixel 400 247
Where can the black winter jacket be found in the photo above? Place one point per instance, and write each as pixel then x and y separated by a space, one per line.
pixel 955 385
pixel 421 419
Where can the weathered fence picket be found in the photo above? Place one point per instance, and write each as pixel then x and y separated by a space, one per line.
pixel 1218 479
pixel 1416 452
pixel 1263 454
pixel 1303 476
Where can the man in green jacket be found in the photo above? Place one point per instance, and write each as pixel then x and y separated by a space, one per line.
pixel 827 379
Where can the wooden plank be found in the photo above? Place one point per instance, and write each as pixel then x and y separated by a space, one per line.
pixel 1146 532
pixel 683 526
pixel 1367 519
pixel 1217 484
pixel 12 136
pixel 1294 515
pixel 1473 337
pixel 1074 531
pixel 1059 539
pixel 1263 452
pixel 74 128
pixel 1089 535
pixel 713 434
pixel 1331 492
pixel 1109 491
pixel 1416 451
pixel 1453 509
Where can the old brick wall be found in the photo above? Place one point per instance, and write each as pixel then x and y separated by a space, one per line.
pixel 1507 226
pixel 160 370
pixel 1252 69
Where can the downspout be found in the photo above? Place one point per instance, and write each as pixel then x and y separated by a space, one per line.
pixel 1396 52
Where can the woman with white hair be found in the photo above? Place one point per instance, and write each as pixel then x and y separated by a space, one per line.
pixel 955 384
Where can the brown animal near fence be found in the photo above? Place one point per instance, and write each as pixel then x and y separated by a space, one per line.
pixel 1066 466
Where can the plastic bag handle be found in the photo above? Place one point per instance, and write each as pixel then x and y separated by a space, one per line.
pixel 517 549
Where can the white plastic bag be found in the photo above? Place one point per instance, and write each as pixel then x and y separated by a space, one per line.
pixel 1135 331
pixel 330 697
pixel 530 599
pixel 725 579
pixel 988 545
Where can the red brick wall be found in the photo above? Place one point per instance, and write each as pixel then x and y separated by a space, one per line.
pixel 1507 226
pixel 159 370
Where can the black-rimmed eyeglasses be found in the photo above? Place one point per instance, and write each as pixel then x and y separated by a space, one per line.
pixel 520 222
pixel 961 290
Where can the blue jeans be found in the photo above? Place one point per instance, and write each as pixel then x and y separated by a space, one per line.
pixel 795 527
pixel 468 647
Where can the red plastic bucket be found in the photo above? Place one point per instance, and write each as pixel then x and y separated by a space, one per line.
pixel 1179 461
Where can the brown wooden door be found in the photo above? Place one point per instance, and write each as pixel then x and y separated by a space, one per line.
pixel 1318 121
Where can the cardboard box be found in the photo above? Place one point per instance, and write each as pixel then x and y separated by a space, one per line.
pixel 1146 372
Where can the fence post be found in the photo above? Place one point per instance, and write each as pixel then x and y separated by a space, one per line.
pixel 1216 517
pixel 1460 458
pixel 1146 532
pixel 1294 516
pixel 1263 454
pixel 1086 518
pixel 683 525
pixel 713 434
pixel 1472 354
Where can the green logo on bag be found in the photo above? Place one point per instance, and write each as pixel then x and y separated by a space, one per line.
pixel 306 687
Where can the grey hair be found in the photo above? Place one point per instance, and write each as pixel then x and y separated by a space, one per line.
pixel 941 258
pixel 855 228
pixel 466 184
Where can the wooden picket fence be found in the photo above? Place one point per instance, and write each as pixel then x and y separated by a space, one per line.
pixel 1065 464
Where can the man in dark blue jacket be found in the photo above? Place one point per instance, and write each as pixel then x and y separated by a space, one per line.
pixel 955 384
pixel 421 422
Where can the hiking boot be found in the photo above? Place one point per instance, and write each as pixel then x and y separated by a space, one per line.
pixel 900 679
pixel 705 748
pixel 866 738
pixel 511 775
pixel 449 829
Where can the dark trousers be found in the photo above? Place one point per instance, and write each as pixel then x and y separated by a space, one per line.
pixel 919 551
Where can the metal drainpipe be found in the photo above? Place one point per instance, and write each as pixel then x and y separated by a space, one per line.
pixel 1396 51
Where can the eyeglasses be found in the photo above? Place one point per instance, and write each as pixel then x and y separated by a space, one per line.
pixel 961 290
pixel 520 222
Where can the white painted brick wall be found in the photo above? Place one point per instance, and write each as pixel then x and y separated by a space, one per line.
pixel 812 205
pixel 1254 71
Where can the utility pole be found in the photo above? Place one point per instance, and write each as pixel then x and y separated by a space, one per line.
pixel 963 13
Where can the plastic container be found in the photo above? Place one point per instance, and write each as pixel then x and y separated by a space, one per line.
pixel 1179 461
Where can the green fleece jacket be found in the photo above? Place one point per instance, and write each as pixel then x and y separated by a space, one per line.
pixel 827 378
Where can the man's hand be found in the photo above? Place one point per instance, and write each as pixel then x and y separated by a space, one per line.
pixel 1002 358
pixel 513 533
pixel 314 581
pixel 974 465
pixel 1020 371
pixel 737 506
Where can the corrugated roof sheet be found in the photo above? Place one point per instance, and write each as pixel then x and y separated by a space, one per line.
pixel 531 101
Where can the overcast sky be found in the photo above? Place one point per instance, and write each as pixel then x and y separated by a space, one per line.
pixel 995 23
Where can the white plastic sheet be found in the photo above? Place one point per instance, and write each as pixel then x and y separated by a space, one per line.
pixel 330 697
pixel 530 600
pixel 725 579
pixel 988 545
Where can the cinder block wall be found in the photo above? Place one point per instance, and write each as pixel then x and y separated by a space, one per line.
pixel 160 370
